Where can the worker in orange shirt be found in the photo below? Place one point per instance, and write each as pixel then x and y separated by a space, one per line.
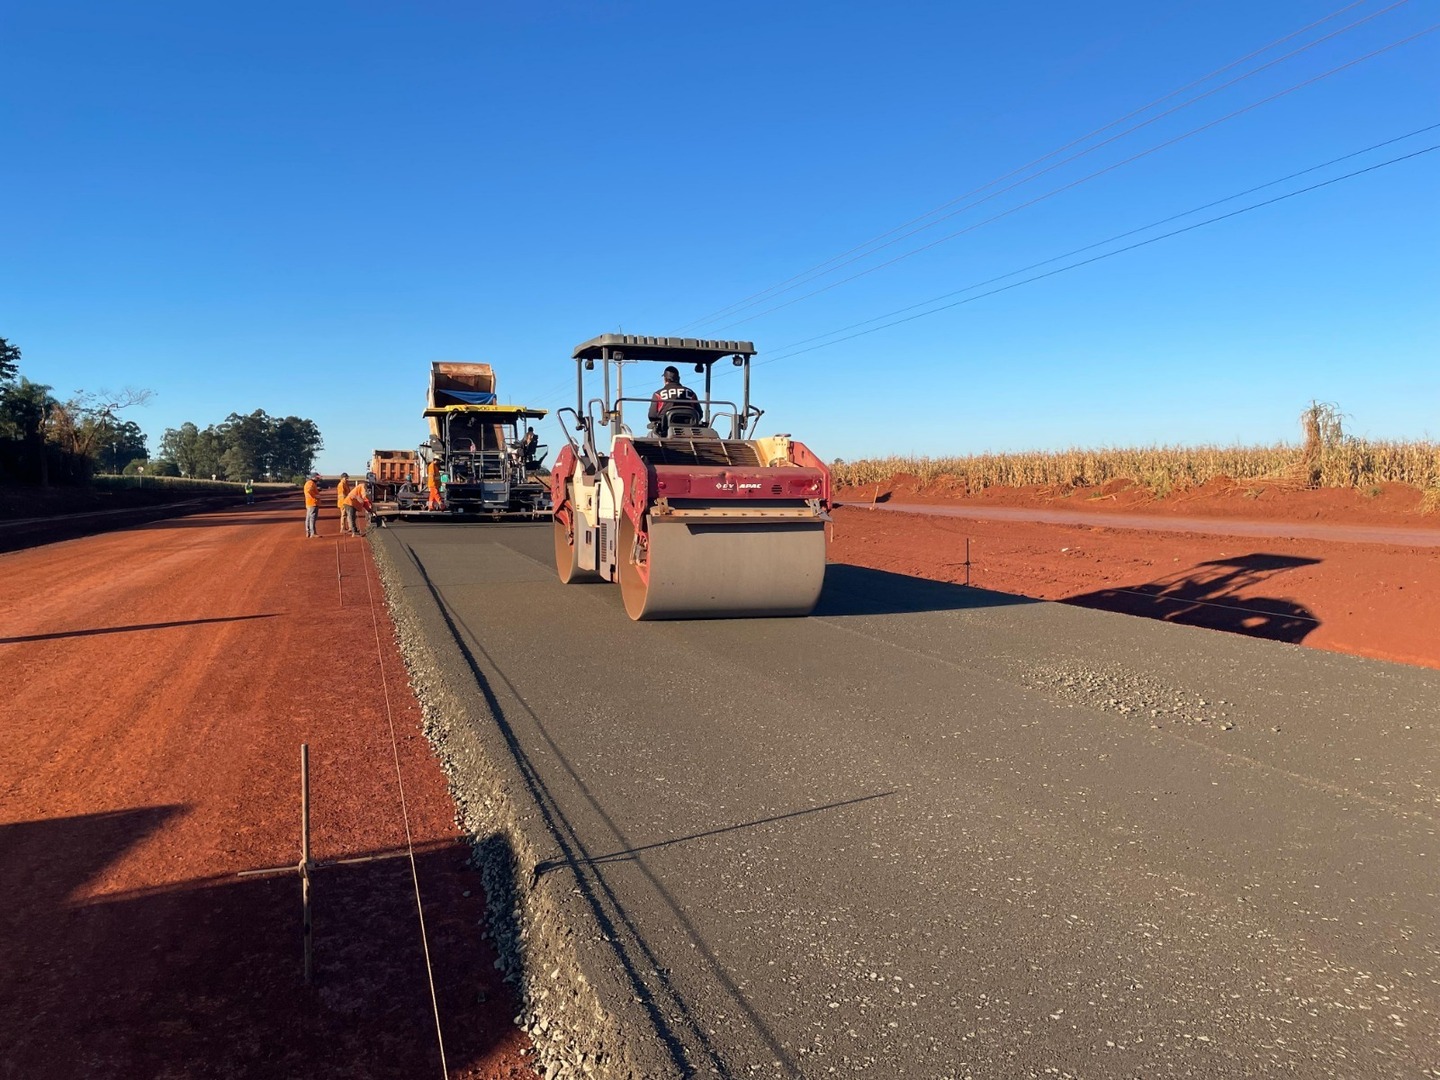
pixel 357 499
pixel 347 516
pixel 312 504
pixel 435 502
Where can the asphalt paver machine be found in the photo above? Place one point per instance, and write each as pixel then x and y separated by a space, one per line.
pixel 483 467
pixel 694 516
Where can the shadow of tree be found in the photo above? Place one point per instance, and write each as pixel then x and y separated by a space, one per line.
pixel 204 978
pixel 1219 594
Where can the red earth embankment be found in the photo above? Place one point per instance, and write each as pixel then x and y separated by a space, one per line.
pixel 1327 590
pixel 160 682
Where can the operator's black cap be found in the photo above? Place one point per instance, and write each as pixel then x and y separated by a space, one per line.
pixel 672 374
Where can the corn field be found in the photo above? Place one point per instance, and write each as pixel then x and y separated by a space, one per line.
pixel 1328 458
pixel 178 484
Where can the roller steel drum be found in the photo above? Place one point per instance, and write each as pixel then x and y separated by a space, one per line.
pixel 567 559
pixel 701 570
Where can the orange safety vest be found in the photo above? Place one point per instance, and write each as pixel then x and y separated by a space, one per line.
pixel 340 490
pixel 358 496
pixel 434 472
pixel 312 493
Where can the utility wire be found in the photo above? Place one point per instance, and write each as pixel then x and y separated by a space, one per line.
pixel 873 245
pixel 1116 237
pixel 762 294
pixel 1085 179
pixel 1106 255
pixel 405 817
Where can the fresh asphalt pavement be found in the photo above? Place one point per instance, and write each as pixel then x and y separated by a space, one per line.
pixel 934 831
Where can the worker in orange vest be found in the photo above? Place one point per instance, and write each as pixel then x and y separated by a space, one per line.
pixel 435 502
pixel 312 504
pixel 358 498
pixel 347 516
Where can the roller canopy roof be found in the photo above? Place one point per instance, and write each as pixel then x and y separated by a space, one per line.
pixel 685 350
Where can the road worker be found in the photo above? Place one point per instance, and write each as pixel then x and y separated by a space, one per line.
pixel 347 515
pixel 357 499
pixel 312 504
pixel 433 476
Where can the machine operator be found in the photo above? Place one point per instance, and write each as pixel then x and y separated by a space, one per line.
pixel 670 395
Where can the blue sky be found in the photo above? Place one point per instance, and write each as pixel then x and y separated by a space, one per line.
pixel 297 207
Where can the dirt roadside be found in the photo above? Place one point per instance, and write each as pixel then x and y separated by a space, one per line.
pixel 162 680
pixel 1379 600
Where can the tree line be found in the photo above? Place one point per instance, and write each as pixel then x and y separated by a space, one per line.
pixel 46 440
pixel 252 447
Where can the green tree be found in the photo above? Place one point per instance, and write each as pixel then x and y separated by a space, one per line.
pixel 126 443
pixel 152 467
pixel 249 445
pixel 181 446
pixel 208 449
pixel 84 424
pixel 25 410
pixel 296 443
pixel 9 360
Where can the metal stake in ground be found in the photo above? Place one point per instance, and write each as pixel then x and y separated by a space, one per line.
pixel 305 866
pixel 305 851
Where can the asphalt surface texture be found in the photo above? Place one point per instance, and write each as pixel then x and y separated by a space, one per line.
pixel 933 831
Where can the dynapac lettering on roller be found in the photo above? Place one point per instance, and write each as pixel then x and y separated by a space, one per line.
pixel 662 511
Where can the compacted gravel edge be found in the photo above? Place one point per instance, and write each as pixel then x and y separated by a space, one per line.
pixel 530 922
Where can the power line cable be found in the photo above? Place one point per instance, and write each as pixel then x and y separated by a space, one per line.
pixel 1106 255
pixel 1084 179
pixel 1116 237
pixel 870 247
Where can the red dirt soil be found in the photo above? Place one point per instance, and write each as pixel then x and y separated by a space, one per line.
pixel 162 679
pixel 1380 600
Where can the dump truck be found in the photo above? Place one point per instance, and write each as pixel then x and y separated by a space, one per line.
pixel 690 512
pixel 396 482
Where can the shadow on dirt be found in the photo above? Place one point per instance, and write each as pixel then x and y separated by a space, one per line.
pixel 204 978
pixel 858 590
pixel 132 629
pixel 1216 595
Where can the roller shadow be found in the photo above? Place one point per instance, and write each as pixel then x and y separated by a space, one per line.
pixel 204 978
pixel 858 590
pixel 1209 595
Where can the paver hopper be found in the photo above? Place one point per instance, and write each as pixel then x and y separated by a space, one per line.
pixel 692 523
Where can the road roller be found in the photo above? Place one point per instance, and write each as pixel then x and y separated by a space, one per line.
pixel 694 515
